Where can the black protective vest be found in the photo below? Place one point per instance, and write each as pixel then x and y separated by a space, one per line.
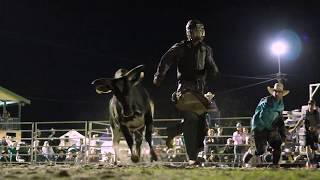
pixel 191 64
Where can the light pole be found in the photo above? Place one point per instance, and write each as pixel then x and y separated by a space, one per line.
pixel 279 64
pixel 279 48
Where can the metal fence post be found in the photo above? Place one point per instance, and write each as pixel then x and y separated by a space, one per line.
pixel 85 142
pixel 89 136
pixel 32 142
pixel 33 145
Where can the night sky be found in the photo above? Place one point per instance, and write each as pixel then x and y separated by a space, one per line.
pixel 52 50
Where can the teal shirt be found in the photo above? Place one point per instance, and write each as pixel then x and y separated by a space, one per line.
pixel 267 112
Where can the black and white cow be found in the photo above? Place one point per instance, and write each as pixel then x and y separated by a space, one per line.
pixel 131 109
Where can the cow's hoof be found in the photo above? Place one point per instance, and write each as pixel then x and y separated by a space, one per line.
pixel 135 158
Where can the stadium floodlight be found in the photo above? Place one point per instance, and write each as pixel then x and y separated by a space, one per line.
pixel 279 48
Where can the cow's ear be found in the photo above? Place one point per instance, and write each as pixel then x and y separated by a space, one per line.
pixel 103 85
pixel 136 75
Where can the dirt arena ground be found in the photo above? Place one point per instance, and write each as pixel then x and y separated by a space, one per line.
pixel 150 172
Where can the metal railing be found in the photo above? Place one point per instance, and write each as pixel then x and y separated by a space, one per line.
pixel 96 143
pixel 8 153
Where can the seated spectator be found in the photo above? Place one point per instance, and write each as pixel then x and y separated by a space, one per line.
pixel 228 151
pixel 73 149
pixel 65 143
pixel 201 157
pixel 110 158
pixel 171 154
pixel 178 144
pixel 94 156
pixel 4 144
pixel 47 151
pixel 160 152
pixel 209 143
pixel 36 150
pixel 23 152
pixel 72 153
pixel 219 139
pixel 5 114
pixel 61 156
pixel 12 152
pixel 4 156
pixel 70 157
pixel 156 140
pixel 212 157
pixel 54 141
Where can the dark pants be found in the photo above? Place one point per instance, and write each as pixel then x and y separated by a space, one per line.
pixel 212 119
pixel 238 150
pixel 194 131
pixel 262 139
pixel 312 140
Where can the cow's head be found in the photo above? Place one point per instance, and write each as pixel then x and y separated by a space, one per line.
pixel 121 86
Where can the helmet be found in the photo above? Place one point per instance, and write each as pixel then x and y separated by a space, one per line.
pixel 193 24
pixel 197 27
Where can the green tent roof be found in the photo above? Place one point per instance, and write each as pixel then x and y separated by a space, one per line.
pixel 10 97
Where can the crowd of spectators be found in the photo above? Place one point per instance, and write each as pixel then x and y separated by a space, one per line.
pixel 229 149
pixel 220 148
pixel 52 149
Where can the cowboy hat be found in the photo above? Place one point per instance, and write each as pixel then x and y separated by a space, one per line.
pixel 278 87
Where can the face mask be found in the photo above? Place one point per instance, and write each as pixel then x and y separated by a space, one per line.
pixel 197 33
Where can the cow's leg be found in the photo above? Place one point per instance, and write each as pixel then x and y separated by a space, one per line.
pixel 128 136
pixel 115 143
pixel 138 139
pixel 148 136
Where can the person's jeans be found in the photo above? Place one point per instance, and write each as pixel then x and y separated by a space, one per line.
pixel 263 138
pixel 238 150
pixel 194 131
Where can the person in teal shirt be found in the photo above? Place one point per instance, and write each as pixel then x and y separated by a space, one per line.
pixel 267 125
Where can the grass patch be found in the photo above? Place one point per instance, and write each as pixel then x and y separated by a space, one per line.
pixel 140 173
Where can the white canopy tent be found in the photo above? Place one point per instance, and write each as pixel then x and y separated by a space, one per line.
pixel 72 137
